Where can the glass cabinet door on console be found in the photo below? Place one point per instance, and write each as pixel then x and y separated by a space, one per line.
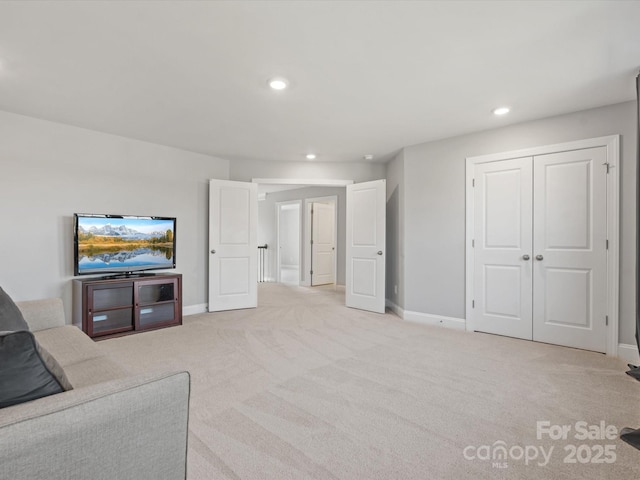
pixel 109 308
pixel 156 303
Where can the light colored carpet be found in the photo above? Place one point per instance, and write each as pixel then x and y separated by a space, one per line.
pixel 305 388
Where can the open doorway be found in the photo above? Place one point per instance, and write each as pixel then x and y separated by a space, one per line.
pixel 274 203
pixel 234 211
pixel 288 242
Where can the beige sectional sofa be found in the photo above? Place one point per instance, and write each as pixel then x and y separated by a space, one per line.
pixel 110 425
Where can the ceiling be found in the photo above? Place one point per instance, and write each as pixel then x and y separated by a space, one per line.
pixel 365 77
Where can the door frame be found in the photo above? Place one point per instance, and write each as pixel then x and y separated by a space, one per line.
pixel 278 211
pixel 612 145
pixel 333 199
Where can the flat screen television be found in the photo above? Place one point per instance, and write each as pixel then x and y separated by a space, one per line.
pixel 123 245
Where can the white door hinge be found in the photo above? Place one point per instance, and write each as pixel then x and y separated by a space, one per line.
pixel 606 319
pixel 473 182
pixel 473 304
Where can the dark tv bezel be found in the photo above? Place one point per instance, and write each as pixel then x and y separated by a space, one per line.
pixel 126 271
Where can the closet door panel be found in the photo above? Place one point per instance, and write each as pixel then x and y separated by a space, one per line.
pixel 570 257
pixel 502 252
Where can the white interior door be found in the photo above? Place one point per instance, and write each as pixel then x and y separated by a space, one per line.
pixel 233 245
pixel 365 246
pixel 323 247
pixel 570 251
pixel 503 248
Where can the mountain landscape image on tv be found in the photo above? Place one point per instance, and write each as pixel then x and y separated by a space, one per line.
pixel 123 244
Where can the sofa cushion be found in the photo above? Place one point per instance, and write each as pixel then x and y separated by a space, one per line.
pixel 11 318
pixel 68 345
pixel 94 371
pixel 83 360
pixel 43 314
pixel 23 374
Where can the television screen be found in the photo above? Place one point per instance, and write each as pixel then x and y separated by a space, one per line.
pixel 123 244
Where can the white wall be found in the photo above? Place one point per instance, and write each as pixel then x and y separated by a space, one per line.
pixel 246 170
pixel 267 225
pixel 48 171
pixel 434 179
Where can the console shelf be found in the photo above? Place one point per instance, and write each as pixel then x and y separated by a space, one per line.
pixel 109 307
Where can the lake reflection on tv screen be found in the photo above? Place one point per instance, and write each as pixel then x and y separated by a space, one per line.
pixel 128 259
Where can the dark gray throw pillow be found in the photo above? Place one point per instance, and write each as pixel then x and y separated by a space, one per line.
pixel 11 318
pixel 23 374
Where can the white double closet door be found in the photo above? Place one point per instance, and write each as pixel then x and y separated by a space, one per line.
pixel 540 252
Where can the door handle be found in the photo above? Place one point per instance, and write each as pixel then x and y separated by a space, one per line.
pixel 539 257
pixel 526 257
pixel 379 252
pixel 213 251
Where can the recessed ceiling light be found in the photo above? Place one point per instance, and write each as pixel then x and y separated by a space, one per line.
pixel 278 83
pixel 501 110
pixel 311 156
pixel 368 157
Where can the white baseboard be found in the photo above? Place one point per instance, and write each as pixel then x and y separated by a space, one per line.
pixel 194 309
pixel 437 320
pixel 399 311
pixel 629 353
pixel 426 318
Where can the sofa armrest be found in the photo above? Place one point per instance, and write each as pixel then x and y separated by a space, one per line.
pixel 131 428
pixel 43 314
